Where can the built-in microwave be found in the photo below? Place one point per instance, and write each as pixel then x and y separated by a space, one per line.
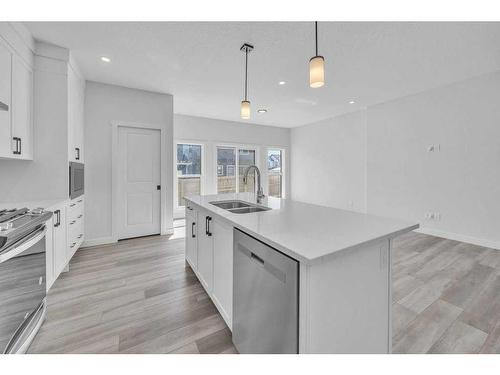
pixel 76 179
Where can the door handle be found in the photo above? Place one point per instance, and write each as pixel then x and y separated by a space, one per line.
pixel 192 229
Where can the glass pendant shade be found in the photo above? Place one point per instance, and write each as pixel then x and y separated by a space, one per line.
pixel 245 109
pixel 317 71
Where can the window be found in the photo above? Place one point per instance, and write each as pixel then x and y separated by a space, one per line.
pixel 275 172
pixel 188 171
pixel 246 158
pixel 231 165
pixel 226 162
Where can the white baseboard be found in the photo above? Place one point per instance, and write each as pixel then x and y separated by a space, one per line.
pixel 460 237
pixel 98 241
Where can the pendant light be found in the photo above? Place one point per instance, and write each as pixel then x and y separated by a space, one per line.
pixel 245 104
pixel 316 66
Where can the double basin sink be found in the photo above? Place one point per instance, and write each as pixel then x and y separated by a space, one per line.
pixel 239 207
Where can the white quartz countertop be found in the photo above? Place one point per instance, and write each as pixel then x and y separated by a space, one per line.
pixel 46 204
pixel 305 232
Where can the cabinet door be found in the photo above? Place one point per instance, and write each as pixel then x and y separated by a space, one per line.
pixel 22 99
pixel 60 254
pixel 76 95
pixel 49 252
pixel 205 251
pixel 5 100
pixel 192 240
pixel 223 269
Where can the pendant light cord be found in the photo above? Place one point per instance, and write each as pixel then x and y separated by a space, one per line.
pixel 246 71
pixel 316 29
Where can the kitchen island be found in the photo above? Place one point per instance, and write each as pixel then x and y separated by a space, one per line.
pixel 344 265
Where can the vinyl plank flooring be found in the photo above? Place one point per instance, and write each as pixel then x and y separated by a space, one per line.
pixel 460 338
pixel 492 343
pixel 427 328
pixel 401 317
pixel 138 296
pixel 461 292
pixel 215 343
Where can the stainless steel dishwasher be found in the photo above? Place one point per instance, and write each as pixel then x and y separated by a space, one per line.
pixel 265 298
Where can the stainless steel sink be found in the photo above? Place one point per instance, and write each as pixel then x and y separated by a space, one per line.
pixel 228 205
pixel 247 210
pixel 239 207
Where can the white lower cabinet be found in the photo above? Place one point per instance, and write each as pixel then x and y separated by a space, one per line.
pixel 209 252
pixel 64 236
pixel 75 229
pixel 223 269
pixel 59 238
pixel 205 252
pixel 192 238
pixel 56 243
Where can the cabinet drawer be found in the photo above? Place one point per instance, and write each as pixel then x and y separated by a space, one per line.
pixel 75 236
pixel 75 209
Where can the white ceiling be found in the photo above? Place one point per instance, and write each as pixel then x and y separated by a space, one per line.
pixel 201 65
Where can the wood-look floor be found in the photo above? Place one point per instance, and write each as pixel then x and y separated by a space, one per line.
pixel 138 296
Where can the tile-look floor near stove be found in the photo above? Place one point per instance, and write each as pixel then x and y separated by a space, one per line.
pixel 138 296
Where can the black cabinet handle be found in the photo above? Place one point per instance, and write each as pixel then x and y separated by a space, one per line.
pixel 209 219
pixel 18 146
pixel 192 229
pixel 58 218
pixel 77 157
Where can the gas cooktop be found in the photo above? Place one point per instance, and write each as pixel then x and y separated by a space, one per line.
pixel 17 223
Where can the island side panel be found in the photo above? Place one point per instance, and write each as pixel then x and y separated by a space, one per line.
pixel 345 302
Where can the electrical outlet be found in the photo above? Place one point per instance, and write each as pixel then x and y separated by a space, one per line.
pixel 434 148
pixel 433 216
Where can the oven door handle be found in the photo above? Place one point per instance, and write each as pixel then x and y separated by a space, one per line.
pixel 24 245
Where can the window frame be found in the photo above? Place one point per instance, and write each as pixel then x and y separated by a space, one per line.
pixel 179 211
pixel 237 147
pixel 282 172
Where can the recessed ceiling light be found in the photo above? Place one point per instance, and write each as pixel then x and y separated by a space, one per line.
pixel 105 59
pixel 262 110
pixel 282 83
pixel 352 102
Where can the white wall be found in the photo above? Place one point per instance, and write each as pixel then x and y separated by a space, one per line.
pixel 329 162
pixel 461 182
pixel 211 132
pixel 103 105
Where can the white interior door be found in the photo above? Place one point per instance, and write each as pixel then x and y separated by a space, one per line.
pixel 138 178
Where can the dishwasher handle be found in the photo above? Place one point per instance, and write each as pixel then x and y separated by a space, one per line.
pixel 268 266
pixel 257 258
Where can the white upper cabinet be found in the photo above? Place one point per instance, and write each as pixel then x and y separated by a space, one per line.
pixel 5 100
pixel 22 109
pixel 76 97
pixel 16 105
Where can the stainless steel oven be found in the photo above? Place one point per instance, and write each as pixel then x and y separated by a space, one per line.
pixel 76 179
pixel 22 286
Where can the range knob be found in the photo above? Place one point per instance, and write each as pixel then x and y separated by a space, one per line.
pixel 5 226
